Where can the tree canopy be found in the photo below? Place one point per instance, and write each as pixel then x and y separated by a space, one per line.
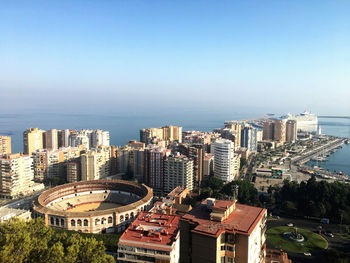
pixel 315 199
pixel 34 242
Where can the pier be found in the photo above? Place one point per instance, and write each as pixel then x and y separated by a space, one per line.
pixel 306 156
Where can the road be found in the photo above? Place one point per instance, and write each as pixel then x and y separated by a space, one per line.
pixel 337 242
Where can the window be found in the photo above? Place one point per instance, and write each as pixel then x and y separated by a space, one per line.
pixel 230 260
pixel 110 220
pixel 72 222
pixel 79 222
pixel 62 222
pixel 86 222
pixel 222 259
pixel 52 220
pixel 57 222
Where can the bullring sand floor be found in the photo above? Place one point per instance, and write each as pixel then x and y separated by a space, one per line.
pixel 93 206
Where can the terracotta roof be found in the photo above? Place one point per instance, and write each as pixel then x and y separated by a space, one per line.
pixel 151 230
pixel 242 220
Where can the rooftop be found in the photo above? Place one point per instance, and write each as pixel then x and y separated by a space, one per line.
pixel 151 230
pixel 242 219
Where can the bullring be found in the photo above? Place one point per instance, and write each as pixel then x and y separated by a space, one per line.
pixel 102 206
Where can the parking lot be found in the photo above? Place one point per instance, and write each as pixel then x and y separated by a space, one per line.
pixel 336 242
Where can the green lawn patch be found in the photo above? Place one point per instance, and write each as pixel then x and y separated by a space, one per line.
pixel 314 242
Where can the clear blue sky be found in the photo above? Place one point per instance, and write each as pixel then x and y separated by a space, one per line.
pixel 113 56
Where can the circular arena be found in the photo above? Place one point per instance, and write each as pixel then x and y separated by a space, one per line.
pixel 102 206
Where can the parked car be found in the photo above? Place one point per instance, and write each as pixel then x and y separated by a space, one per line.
pixel 324 221
pixel 290 224
pixel 329 234
pixel 308 254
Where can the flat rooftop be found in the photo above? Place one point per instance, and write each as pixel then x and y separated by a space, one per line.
pixel 242 219
pixel 153 231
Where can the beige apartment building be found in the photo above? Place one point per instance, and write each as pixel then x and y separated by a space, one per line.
pixel 274 130
pixel 95 164
pixel 164 134
pixel 5 145
pixel 223 231
pixel 33 139
pixel 16 175
pixel 51 139
pixel 178 171
pixel 236 130
pixel 51 163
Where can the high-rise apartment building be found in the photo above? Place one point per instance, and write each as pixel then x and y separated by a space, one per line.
pixel 52 163
pixel 223 231
pixel 5 145
pixel 274 130
pixel 95 164
pixel 268 132
pixel 178 171
pixel 73 171
pixel 77 139
pixel 16 175
pixel 236 130
pixel 51 139
pixel 208 165
pixel 165 134
pixel 47 164
pixel 224 160
pixel 33 139
pixel 63 138
pixel 196 153
pixel 153 174
pixel 291 131
pixel 280 131
pixel 130 158
pixel 99 138
pixel 249 138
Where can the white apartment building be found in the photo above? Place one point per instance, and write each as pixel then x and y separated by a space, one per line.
pixel 16 175
pixel 99 138
pixel 224 160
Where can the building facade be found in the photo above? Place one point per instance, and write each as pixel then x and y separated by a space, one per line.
pixel 291 131
pixel 224 160
pixel 164 134
pixel 33 139
pixel 95 164
pixel 223 231
pixel 5 145
pixel 151 237
pixel 249 138
pixel 178 171
pixel 153 174
pixel 16 175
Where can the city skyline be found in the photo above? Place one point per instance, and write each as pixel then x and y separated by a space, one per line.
pixel 100 57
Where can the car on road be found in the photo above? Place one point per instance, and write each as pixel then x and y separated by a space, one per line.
pixel 290 224
pixel 329 234
pixel 308 254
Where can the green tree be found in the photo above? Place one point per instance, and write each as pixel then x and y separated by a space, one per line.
pixel 34 242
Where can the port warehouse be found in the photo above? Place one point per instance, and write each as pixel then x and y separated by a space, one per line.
pixel 125 199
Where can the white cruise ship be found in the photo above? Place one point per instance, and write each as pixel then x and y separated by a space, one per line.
pixel 306 121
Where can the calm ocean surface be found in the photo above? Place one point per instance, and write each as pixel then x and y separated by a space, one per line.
pixel 125 128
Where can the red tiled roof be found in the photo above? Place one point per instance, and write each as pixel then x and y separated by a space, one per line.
pixel 242 220
pixel 152 230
